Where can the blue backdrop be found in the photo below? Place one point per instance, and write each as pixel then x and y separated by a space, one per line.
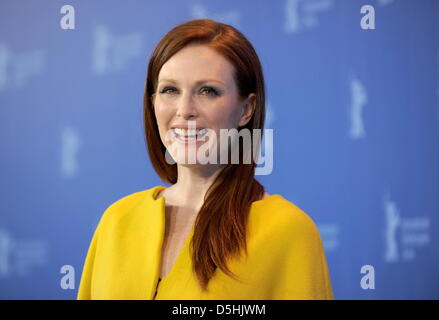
pixel 355 114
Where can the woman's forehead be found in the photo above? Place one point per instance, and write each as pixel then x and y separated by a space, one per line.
pixel 196 63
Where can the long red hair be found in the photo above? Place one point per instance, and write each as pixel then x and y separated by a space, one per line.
pixel 220 230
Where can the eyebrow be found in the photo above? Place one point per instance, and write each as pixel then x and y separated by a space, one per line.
pixel 198 82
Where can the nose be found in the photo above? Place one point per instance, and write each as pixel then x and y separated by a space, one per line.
pixel 187 108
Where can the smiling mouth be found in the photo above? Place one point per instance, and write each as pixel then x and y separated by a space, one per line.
pixel 189 135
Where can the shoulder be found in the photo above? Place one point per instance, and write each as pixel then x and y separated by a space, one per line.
pixel 281 216
pixel 123 206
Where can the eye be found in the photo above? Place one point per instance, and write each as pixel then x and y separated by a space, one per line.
pixel 209 91
pixel 168 90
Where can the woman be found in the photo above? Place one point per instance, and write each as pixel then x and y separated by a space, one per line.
pixel 214 233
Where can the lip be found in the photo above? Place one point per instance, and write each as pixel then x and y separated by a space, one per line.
pixel 187 142
pixel 184 126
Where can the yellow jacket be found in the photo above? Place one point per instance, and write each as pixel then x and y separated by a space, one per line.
pixel 285 259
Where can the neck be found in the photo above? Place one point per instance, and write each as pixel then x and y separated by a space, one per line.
pixel 192 184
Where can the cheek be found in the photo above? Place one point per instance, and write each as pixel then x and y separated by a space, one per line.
pixel 162 115
pixel 224 116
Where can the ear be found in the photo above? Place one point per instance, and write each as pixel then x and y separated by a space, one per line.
pixel 248 109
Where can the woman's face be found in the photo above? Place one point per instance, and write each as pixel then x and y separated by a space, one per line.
pixel 196 89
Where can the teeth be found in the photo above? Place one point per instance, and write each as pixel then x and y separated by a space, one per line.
pixel 189 133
